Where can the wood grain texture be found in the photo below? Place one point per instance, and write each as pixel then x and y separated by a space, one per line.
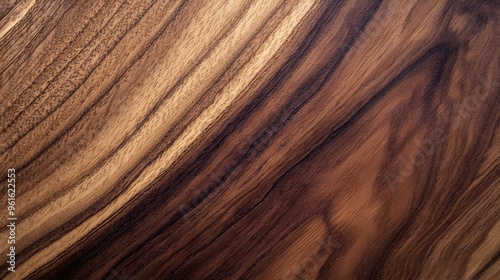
pixel 227 139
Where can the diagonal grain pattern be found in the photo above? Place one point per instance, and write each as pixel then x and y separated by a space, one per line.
pixel 252 139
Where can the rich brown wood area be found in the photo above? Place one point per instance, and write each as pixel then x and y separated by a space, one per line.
pixel 301 139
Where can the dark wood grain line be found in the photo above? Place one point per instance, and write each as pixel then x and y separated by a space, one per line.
pixel 487 266
pixel 302 139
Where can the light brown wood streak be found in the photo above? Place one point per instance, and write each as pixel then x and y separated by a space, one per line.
pixel 252 139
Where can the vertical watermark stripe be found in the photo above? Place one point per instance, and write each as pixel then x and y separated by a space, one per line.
pixel 11 218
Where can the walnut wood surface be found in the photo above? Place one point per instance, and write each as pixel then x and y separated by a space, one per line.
pixel 301 139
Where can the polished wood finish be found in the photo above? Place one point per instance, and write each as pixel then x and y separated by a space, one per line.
pixel 301 139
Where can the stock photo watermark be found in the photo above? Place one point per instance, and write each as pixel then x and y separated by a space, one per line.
pixel 121 275
pixel 244 150
pixel 425 148
pixel 378 22
pixel 11 219
pixel 326 247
